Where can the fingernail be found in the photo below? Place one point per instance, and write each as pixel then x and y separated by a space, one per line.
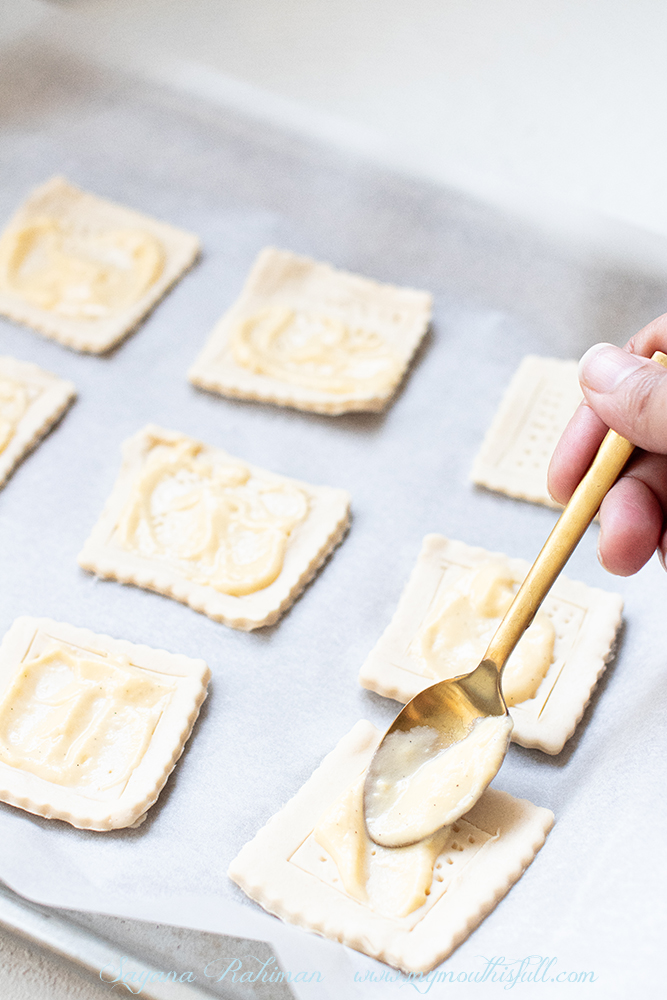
pixel 599 548
pixel 603 367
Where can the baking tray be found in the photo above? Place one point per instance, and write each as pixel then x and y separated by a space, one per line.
pixel 283 696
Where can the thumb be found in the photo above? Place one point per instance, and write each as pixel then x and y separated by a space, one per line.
pixel 629 393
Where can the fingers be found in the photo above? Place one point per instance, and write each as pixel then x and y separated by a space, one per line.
pixel 631 520
pixel 628 393
pixel 650 339
pixel 632 513
pixel 574 452
pixel 623 389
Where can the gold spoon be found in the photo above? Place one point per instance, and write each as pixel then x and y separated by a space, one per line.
pixel 442 750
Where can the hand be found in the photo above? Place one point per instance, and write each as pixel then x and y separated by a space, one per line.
pixel 623 389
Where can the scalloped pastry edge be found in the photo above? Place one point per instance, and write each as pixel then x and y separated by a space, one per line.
pixel 52 801
pixel 226 377
pixel 323 529
pixel 182 249
pixel 264 872
pixel 593 647
pixel 44 412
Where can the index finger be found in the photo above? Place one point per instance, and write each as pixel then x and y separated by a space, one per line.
pixel 650 338
pixel 574 452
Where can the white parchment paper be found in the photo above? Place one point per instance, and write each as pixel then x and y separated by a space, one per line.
pixel 282 697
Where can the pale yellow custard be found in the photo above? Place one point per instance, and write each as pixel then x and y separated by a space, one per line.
pixel 394 876
pixel 315 350
pixel 80 721
pixel 420 786
pixel 218 523
pixel 79 274
pixel 392 881
pixel 585 622
pixel 307 335
pixel 91 727
pixel 31 401
pixel 452 884
pixel 461 623
pixel 15 398
pixel 228 538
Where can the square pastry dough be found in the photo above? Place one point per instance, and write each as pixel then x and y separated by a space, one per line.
pixel 585 622
pixel 231 540
pixel 305 335
pixel 83 270
pixel 536 408
pixel 31 401
pixel 91 727
pixel 292 876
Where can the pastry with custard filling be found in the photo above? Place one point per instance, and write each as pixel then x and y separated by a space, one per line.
pixel 231 540
pixel 91 727
pixel 31 402
pixel 83 270
pixel 447 614
pixel 314 865
pixel 306 335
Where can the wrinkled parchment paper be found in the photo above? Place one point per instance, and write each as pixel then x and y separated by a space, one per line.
pixel 282 697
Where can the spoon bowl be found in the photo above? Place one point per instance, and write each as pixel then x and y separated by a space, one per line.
pixel 407 789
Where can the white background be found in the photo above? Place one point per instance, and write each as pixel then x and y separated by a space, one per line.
pixel 554 105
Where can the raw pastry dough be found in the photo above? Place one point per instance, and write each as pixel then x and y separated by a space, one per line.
pixel 515 455
pixel 293 876
pixel 231 540
pixel 91 727
pixel 391 881
pixel 585 621
pixel 303 334
pixel 463 619
pixel 31 401
pixel 83 270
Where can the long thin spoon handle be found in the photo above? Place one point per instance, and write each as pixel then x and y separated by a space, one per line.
pixel 584 504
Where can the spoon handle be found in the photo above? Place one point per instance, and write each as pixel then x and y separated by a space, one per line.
pixel 582 507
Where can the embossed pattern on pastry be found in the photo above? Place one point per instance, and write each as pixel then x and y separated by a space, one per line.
pixel 306 335
pixel 91 727
pixel 439 895
pixel 233 541
pixel 550 682
pixel 83 270
pixel 534 411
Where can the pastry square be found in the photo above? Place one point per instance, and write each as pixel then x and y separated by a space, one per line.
pixel 83 270
pixel 305 335
pixel 585 622
pixel 232 541
pixel 292 876
pixel 536 408
pixel 91 727
pixel 31 401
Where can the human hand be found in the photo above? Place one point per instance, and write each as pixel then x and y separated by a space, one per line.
pixel 624 390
